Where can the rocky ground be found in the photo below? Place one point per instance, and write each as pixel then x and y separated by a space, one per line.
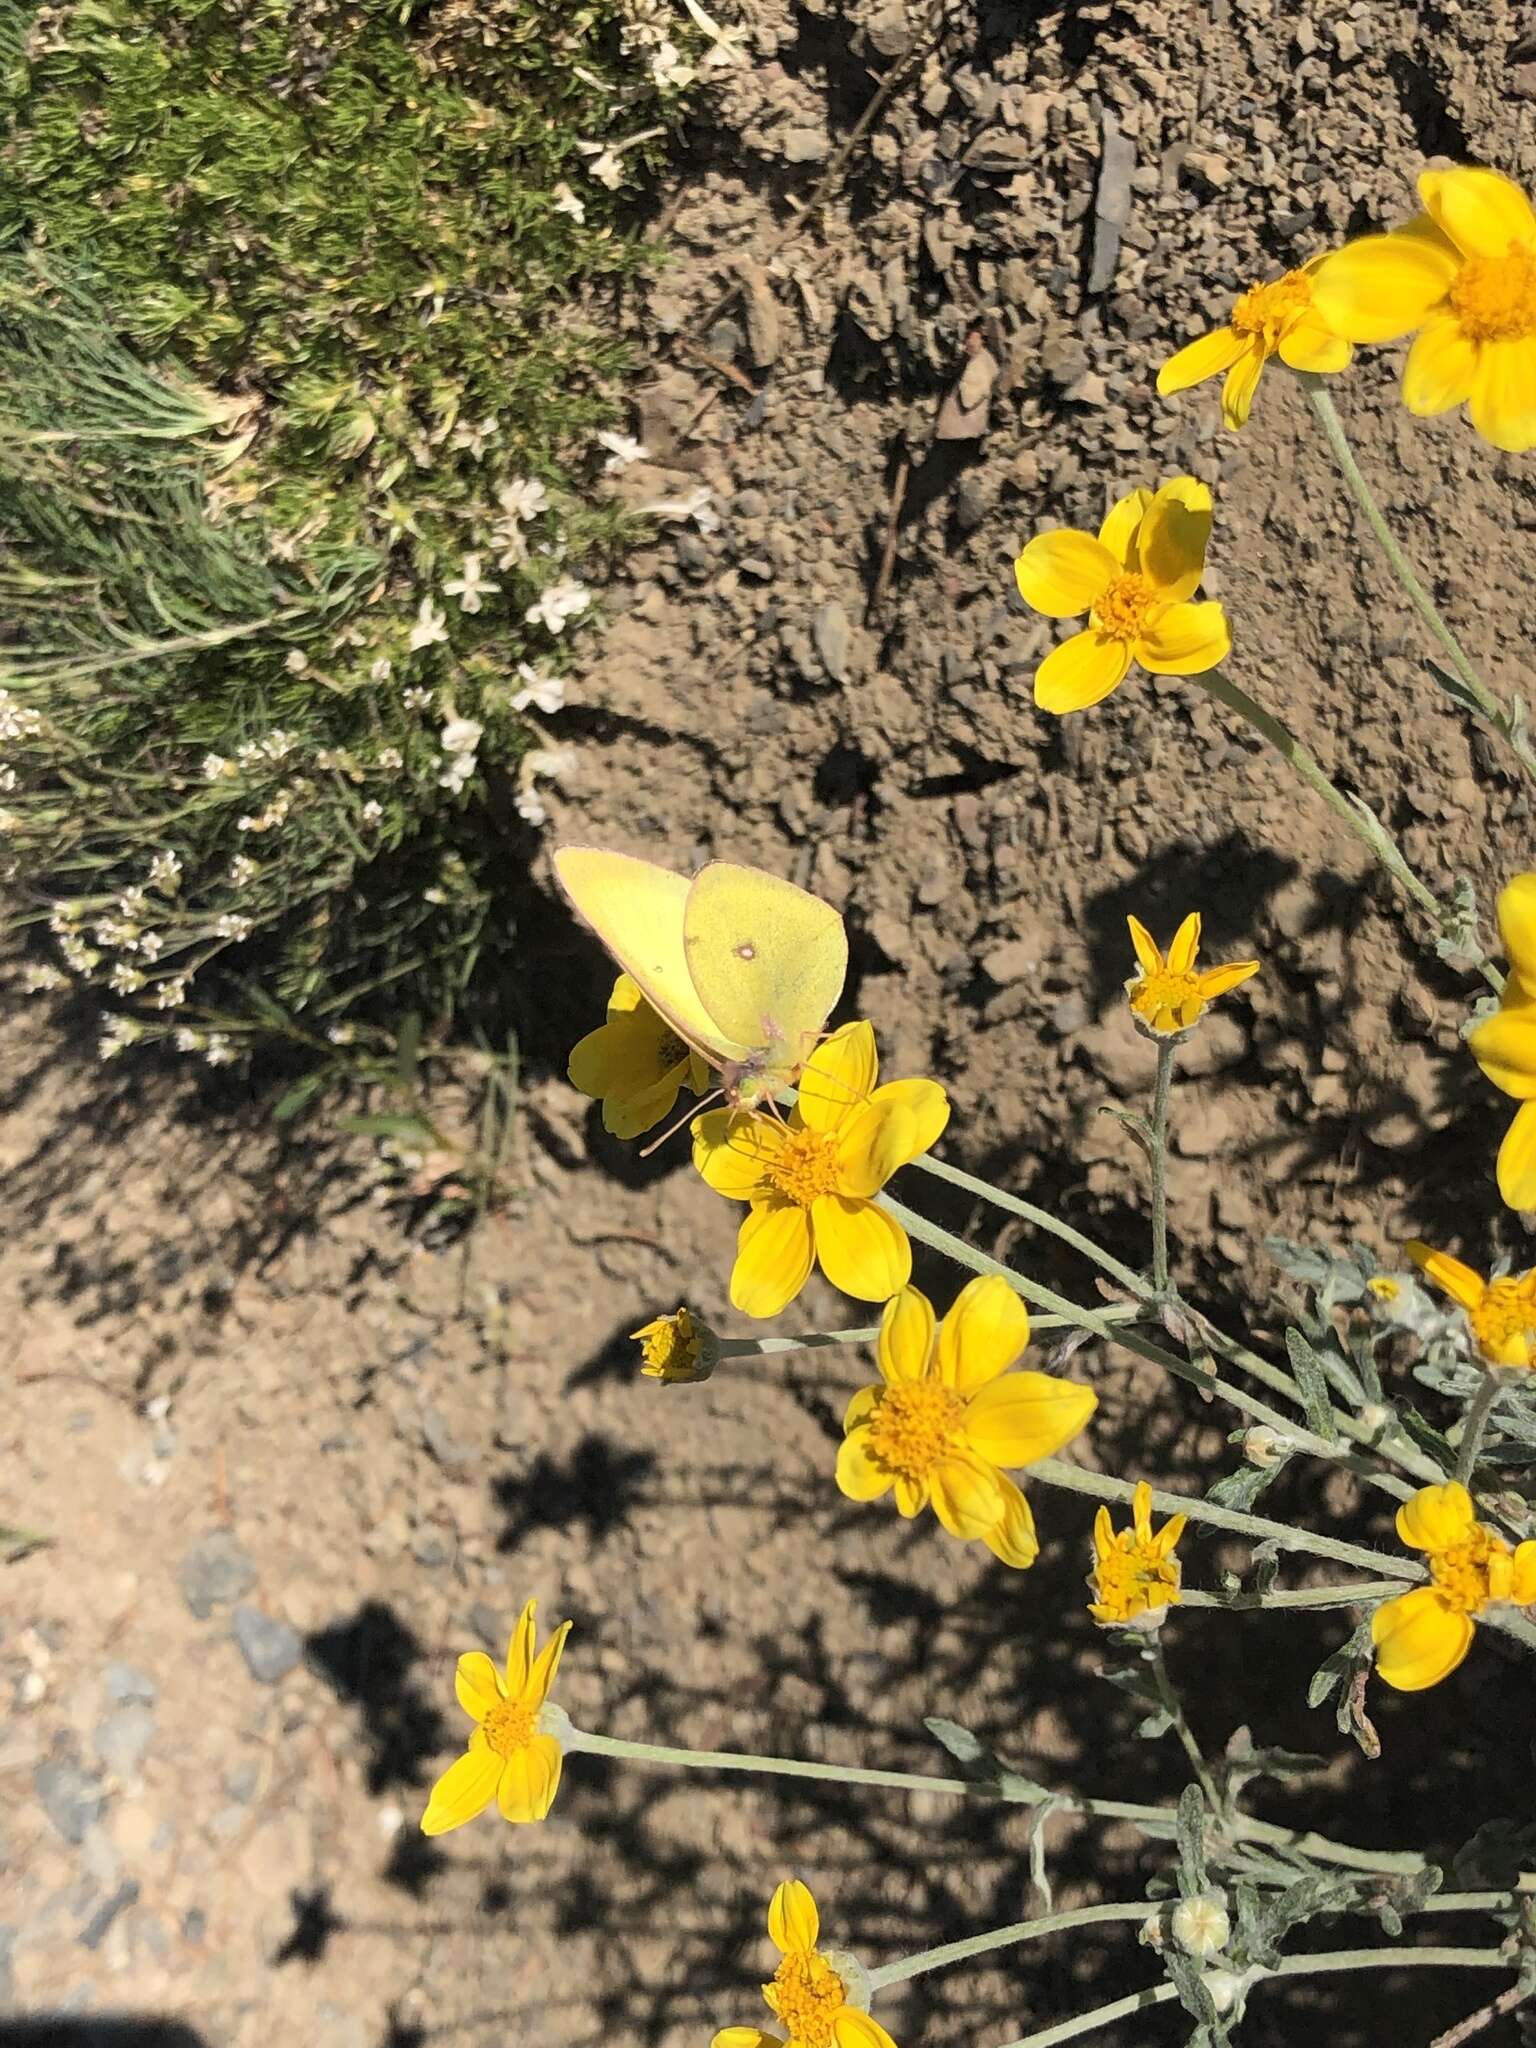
pixel 290 1459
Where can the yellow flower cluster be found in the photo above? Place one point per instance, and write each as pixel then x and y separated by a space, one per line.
pixel 1501 1314
pixel 815 1995
pixel 1504 1045
pixel 1422 1636
pixel 511 1758
pixel 1136 1576
pixel 1168 997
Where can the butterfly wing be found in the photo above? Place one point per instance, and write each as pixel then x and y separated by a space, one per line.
pixel 637 909
pixel 766 960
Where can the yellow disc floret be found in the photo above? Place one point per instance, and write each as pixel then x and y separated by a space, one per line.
pixel 1494 297
pixel 804 1167
pixel 1504 1321
pixel 1265 311
pixel 912 1429
pixel 807 1994
pixel 1123 611
pixel 510 1726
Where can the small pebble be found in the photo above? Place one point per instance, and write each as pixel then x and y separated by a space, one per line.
pixel 270 1647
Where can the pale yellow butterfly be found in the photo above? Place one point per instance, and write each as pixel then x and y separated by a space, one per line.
pixel 744 966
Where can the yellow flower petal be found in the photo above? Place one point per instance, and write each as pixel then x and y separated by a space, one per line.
pixel 1149 954
pixel 928 1104
pixel 984 1333
pixel 747 2037
pixel 1186 944
pixel 794 1925
pixel 520 1651
pixel 1241 388
pixel 860 1474
pixel 1220 981
pixel 1517 1160
pixel 1483 212
pixel 1013 1539
pixel 862 1251
pixel 733 1150
pixel 530 1778
pixel 1174 537
pixel 1522 1590
pixel 1081 671
pixel 1418 1639
pixel 965 1496
pixel 542 1677
pixel 1504 1046
pixel 872 1144
pixel 1517 928
pixel 1026 1415
pixel 1503 407
pixel 1064 573
pixel 1186 641
pixel 1197 360
pixel 911 1496
pixel 1385 285
pixel 628 1116
pixel 1441 367
pixel 1122 527
pixel 1312 345
pixel 839 1077
pixel 476 1684
pixel 1437 1518
pixel 464 1790
pixel 906 1337
pixel 774 1253
pixel 854 2029
pixel 863 1404
pixel 1465 1287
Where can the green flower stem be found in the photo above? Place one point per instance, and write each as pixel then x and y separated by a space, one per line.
pixel 1098 1325
pixel 1041 1218
pixel 1161 1090
pixel 1358 1593
pixel 1173 1707
pixel 1322 404
pixel 1258 1528
pixel 918 1965
pixel 741 1347
pixel 1007 1786
pixel 1475 1425
pixel 1288 1966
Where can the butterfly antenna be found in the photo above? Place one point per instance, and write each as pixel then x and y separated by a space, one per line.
pixel 714 1095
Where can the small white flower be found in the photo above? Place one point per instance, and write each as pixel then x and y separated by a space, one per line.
pixel 43 978
pixel 381 670
pixel 623 449
pixel 151 946
pixel 125 980
pixel 7 780
pixel 171 994
pixel 567 202
pixel 456 773
pixel 523 499
pixel 243 869
pixel 509 543
pixel 117 1034
pixel 473 436
pixel 607 167
pixel 470 585
pixel 217 769
pixel 18 721
pixel 342 1034
pixel 1200 1925
pixel 544 693
pixel 372 812
pixel 218 1051
pixel 461 736
pixel 418 699
pixel 391 758
pixel 431 626
pixel 530 808
pixel 669 68
pixel 78 955
pixel 553 763
pixel 295 661
pixel 133 904
pixel 11 821
pixel 563 600
pixel 165 873
pixel 697 505
pixel 435 289
pixel 185 1039
pixel 233 926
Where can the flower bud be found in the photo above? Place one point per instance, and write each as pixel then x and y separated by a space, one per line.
pixel 1374 1416
pixel 1265 1446
pixel 1225 1989
pixel 1201 1926
pixel 1152 1933
pixel 677 1348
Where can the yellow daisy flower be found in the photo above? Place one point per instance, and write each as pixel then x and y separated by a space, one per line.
pixel 820 1996
pixel 1504 1045
pixel 509 1759
pixel 634 1064
pixel 810 1178
pixel 675 1348
pixel 1135 1577
pixel 951 1413
pixel 1461 278
pixel 1422 1636
pixel 1500 1313
pixel 1135 582
pixel 1168 995
pixel 1276 319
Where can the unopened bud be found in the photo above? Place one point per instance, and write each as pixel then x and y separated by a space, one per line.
pixel 1201 1926
pixel 1265 1446
pixel 1152 1933
pixel 1374 1416
pixel 1225 1989
pixel 677 1348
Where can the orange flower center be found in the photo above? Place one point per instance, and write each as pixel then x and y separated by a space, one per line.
pixel 807 1994
pixel 1167 1001
pixel 1124 609
pixel 509 1726
pixel 913 1427
pixel 1462 1573
pixel 804 1167
pixel 1494 297
pixel 1265 312
pixel 1504 1321
pixel 1133 1580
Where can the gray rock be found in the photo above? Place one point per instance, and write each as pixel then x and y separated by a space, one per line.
pixel 1069 1015
pixel 726 340
pixel 215 1572
pixel 440 1440
pixel 973 501
pixel 242 1780
pixel 122 1738
pixel 127 1685
pixel 833 636
pixel 889 32
pixel 94 1932
pixel 269 1646
pixel 804 145
pixel 1112 202
pixel 71 1797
